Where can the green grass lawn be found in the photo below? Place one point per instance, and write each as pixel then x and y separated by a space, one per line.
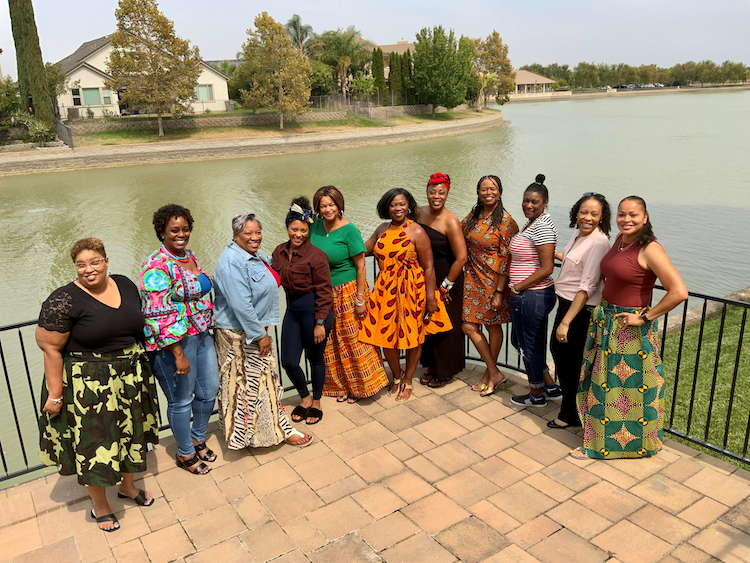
pixel 703 382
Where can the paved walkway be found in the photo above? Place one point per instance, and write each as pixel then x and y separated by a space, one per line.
pixel 446 476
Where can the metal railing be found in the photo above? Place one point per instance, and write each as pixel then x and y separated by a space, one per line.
pixel 707 389
pixel 63 132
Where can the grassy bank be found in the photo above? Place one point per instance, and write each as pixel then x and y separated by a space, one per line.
pixel 351 123
pixel 703 379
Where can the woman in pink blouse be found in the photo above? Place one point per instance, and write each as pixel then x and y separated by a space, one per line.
pixel 579 290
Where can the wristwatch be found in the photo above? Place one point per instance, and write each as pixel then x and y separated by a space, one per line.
pixel 643 315
pixel 320 321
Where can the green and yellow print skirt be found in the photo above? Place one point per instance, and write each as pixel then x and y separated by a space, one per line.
pixel 621 390
pixel 108 418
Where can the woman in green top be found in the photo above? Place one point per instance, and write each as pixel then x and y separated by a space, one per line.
pixel 354 370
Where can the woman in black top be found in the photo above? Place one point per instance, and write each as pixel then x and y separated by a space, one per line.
pixel 99 410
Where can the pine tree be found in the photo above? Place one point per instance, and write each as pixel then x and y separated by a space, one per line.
pixel 407 79
pixel 394 78
pixel 32 78
pixel 378 72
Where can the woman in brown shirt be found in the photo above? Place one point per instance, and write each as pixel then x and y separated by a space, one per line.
pixel 306 278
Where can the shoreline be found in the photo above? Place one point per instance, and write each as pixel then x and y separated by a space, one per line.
pixel 64 159
pixel 615 94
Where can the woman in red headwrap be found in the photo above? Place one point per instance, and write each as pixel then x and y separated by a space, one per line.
pixel 443 353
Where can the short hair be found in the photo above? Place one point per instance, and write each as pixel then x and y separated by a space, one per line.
pixel 328 191
pixel 605 224
pixel 539 187
pixel 388 197
pixel 90 243
pixel 165 213
pixel 239 221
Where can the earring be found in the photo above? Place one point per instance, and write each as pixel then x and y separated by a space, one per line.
pixel 341 213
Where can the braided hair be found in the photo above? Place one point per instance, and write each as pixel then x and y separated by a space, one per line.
pixel 497 214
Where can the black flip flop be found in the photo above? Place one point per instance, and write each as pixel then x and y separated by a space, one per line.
pixel 314 413
pixel 300 412
pixel 426 378
pixel 436 383
pixel 140 498
pixel 106 518
pixel 555 425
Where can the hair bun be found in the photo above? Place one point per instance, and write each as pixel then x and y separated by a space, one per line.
pixel 303 202
pixel 540 178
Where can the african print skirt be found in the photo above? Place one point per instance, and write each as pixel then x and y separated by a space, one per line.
pixel 353 368
pixel 621 390
pixel 108 417
pixel 250 392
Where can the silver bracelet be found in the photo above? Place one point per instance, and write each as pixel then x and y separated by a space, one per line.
pixel 56 401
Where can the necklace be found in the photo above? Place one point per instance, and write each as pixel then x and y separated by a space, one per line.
pixel 620 248
pixel 184 259
pixel 326 229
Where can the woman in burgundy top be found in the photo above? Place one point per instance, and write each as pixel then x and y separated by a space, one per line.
pixel 620 395
pixel 306 278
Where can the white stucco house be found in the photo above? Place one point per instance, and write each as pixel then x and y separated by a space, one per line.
pixel 86 71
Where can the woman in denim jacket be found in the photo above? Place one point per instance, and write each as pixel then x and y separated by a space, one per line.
pixel 247 303
pixel 173 287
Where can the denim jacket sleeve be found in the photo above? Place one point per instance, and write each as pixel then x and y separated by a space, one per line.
pixel 235 283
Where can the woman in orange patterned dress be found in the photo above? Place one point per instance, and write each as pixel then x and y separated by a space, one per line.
pixel 404 305
pixel 488 229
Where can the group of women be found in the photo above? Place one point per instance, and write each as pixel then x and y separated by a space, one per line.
pixel 105 345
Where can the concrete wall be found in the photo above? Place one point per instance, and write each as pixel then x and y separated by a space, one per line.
pixel 123 124
pixel 391 111
pixel 535 96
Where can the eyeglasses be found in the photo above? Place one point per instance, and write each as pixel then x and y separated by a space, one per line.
pixel 94 263
pixel 589 194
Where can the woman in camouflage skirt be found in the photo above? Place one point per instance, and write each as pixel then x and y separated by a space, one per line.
pixel 99 410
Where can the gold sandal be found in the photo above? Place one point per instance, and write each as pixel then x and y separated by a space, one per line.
pixel 397 383
pixel 479 387
pixel 403 387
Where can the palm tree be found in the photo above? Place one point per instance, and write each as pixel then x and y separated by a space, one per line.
pixel 300 34
pixel 343 51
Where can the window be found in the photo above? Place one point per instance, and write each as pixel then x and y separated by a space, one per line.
pixel 204 93
pixel 91 97
pixel 106 96
pixel 76 96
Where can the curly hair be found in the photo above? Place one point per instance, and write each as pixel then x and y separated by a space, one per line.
pixel 167 212
pixel 646 235
pixel 497 214
pixel 90 243
pixel 304 203
pixel 329 191
pixel 605 224
pixel 388 197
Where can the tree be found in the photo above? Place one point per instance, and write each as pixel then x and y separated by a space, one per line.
pixel 10 103
pixel 378 71
pixel 491 57
pixel 151 67
pixel 32 78
pixel 407 81
pixel 394 79
pixel 586 75
pixel 344 51
pixel 321 79
pixel 299 34
pixel 441 68
pixel 363 85
pixel 279 73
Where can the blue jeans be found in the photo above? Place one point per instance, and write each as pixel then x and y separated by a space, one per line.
pixel 192 395
pixel 529 312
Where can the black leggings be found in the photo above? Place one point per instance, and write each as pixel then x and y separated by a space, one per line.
pixel 568 358
pixel 296 335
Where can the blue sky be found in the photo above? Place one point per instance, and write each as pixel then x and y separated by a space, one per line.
pixel 664 32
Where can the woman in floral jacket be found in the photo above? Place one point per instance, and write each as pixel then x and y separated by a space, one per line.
pixel 182 353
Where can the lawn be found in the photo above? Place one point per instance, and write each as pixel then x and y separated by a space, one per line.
pixel 711 388
pixel 137 136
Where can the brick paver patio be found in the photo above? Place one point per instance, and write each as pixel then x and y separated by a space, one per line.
pixel 447 476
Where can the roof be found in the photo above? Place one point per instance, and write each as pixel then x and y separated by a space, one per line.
pixel 400 47
pixel 83 52
pixel 526 77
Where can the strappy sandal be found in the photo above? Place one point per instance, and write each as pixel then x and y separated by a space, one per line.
pixel 193 465
pixel 304 444
pixel 403 387
pixel 139 499
pixel 578 454
pixel 312 412
pixel 479 387
pixel 491 389
pixel 342 399
pixel 106 518
pixel 426 378
pixel 209 456
pixel 299 413
pixel 397 383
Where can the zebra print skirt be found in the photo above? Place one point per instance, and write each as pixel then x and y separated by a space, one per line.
pixel 249 394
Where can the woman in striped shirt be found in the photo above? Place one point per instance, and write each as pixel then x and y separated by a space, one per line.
pixel 532 293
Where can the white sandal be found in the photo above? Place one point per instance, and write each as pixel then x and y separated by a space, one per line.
pixel 296 432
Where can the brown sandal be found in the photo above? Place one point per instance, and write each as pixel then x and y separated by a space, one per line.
pixel 194 465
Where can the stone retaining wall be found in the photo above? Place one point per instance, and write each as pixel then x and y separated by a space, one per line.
pixel 124 124
pixel 377 112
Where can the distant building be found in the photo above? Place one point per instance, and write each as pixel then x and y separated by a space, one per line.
pixel 528 82
pixel 399 48
pixel 86 71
